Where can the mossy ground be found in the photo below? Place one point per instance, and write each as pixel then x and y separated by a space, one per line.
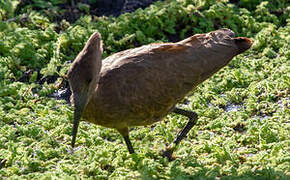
pixel 243 129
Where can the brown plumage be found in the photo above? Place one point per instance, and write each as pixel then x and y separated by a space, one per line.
pixel 140 86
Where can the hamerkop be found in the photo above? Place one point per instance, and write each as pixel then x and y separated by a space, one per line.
pixel 140 86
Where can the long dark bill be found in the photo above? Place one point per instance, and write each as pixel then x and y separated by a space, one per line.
pixel 77 117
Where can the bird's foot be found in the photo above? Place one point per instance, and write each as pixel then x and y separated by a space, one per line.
pixel 168 153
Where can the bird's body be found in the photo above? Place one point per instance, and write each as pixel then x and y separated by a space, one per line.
pixel 140 86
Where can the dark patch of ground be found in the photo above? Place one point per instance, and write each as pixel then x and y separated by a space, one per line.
pixel 74 9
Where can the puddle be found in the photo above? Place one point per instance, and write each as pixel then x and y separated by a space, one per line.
pixel 184 104
pixel 223 95
pixel 185 101
pixel 211 134
pixel 233 107
pixel 109 139
pixel 241 149
pixel 210 105
pixel 261 118
pixel 284 106
pixel 228 108
pixel 250 155
pixel 62 94
pixel 71 151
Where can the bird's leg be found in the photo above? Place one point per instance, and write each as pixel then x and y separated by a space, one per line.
pixel 125 133
pixel 192 116
pixel 129 145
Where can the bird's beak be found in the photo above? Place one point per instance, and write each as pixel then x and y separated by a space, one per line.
pixel 79 103
pixel 243 44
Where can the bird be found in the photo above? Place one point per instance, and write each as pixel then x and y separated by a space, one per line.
pixel 140 86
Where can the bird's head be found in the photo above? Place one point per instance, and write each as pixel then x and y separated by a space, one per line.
pixel 226 38
pixel 83 77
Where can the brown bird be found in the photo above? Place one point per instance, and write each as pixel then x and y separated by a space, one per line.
pixel 140 86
